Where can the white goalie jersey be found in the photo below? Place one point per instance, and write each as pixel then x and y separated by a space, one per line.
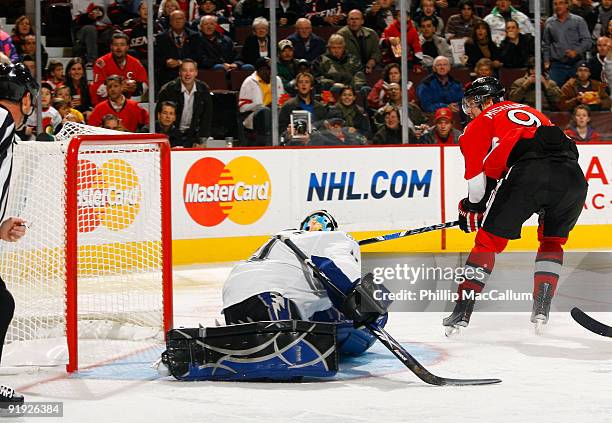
pixel 275 268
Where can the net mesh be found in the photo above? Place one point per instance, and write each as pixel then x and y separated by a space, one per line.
pixel 119 282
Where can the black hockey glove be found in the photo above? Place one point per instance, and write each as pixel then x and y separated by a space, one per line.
pixel 366 302
pixel 470 216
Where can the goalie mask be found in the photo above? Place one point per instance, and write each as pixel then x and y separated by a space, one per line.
pixel 319 220
pixel 480 91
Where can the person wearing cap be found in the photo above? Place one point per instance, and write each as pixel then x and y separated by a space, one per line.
pixel 583 90
pixel 287 65
pixel 255 100
pixel 442 132
pixel 334 132
pixel 361 42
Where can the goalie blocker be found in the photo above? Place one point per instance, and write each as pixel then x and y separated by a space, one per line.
pixel 285 350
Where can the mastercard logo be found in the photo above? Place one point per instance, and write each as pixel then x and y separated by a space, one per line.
pixel 108 195
pixel 214 191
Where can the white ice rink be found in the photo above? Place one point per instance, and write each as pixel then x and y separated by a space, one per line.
pixel 562 376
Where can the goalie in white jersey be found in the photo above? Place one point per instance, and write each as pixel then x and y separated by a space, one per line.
pixel 274 285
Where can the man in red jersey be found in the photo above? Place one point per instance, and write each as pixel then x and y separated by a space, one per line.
pixel 118 62
pixel 535 167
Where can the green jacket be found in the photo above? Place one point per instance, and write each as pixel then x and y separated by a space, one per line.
pixel 347 70
pixel 372 41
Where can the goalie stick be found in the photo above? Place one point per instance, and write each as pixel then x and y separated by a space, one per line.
pixel 591 324
pixel 408 232
pixel 382 335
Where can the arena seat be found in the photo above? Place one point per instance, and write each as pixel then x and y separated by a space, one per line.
pixel 237 76
pixel 216 80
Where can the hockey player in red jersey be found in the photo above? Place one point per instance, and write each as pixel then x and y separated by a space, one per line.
pixel 517 163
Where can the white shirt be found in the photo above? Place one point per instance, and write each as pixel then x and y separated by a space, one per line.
pixel 275 268
pixel 187 107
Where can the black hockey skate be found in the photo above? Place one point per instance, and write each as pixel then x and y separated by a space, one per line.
pixel 541 306
pixel 9 397
pixel 460 317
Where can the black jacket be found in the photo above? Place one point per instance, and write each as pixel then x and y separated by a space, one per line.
pixel 250 50
pixel 516 55
pixel 202 109
pixel 166 48
pixel 218 51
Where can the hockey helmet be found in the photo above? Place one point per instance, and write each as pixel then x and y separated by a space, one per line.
pixel 15 81
pixel 319 220
pixel 480 90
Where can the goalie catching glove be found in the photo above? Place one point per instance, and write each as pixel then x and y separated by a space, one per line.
pixel 471 216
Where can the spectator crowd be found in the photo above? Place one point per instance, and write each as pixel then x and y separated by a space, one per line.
pixel 339 80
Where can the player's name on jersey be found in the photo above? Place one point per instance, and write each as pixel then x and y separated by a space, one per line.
pixel 449 295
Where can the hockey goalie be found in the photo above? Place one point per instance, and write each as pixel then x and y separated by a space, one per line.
pixel 283 323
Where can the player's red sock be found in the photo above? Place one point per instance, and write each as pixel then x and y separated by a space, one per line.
pixel 548 262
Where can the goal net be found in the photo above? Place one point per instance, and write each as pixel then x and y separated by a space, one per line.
pixel 92 276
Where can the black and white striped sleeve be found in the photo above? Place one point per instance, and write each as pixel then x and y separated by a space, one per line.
pixel 7 138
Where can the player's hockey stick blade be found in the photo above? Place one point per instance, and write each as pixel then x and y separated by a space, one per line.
pixel 408 232
pixel 383 336
pixel 591 324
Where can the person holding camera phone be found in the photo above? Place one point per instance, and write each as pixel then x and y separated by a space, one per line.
pixel 523 89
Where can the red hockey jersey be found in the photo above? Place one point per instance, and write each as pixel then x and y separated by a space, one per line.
pixel 131 116
pixel 106 66
pixel 490 137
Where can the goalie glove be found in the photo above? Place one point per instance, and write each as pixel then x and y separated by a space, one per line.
pixel 470 216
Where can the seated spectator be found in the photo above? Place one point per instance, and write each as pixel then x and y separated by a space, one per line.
pixel 326 13
pixel 516 48
pixel 391 73
pixel 306 45
pixel 7 48
pixel 287 66
pixel 166 123
pixel 565 42
pixel 166 7
pixel 304 100
pixel 118 62
pixel 392 48
pixel 93 27
pixel 523 89
pixel 337 68
pixel 130 114
pixel 596 63
pixel 361 42
pixel 579 128
pixel 111 122
pixel 136 29
pixel 391 131
pixel 501 14
pixel 380 15
pixel 603 13
pixel 65 110
pixel 51 118
pixel 27 60
pixel 395 99
pixel 255 101
pixel 209 8
pixel 584 9
pixel 440 89
pixel 583 90
pixel 189 8
pixel 442 132
pixel 462 24
pixel 480 45
pixel 432 44
pixel 23 26
pixel 218 50
pixel 63 93
pixel 174 46
pixel 76 80
pixel 335 132
pixel 289 11
pixel 355 120
pixel 194 107
pixel 55 74
pixel 28 48
pixel 257 44
pixel 428 9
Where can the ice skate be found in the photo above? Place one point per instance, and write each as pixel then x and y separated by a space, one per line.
pixel 459 318
pixel 541 306
pixel 9 397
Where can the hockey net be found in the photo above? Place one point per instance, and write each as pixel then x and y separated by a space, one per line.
pixel 92 277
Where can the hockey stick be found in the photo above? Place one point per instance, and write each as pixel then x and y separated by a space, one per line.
pixel 383 336
pixel 591 324
pixel 408 232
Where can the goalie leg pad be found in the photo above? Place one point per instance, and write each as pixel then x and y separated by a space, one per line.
pixel 353 341
pixel 271 351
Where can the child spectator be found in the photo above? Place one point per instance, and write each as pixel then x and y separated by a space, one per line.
pixel 55 74
pixel 64 93
pixel 50 117
pixel 111 121
pixel 579 128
